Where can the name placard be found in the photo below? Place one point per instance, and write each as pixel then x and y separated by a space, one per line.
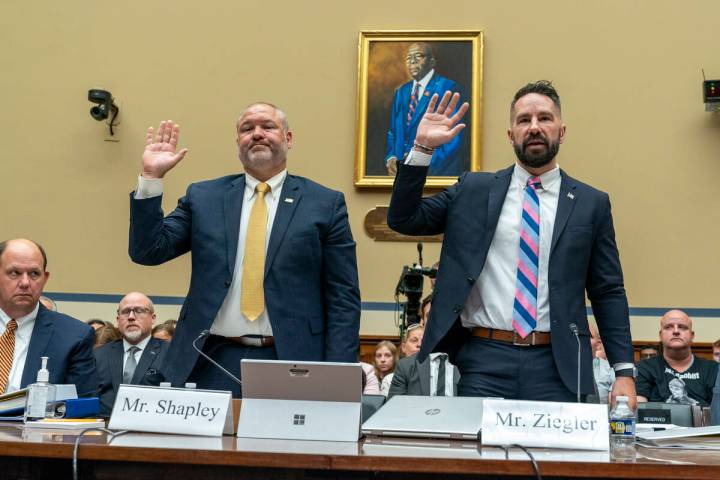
pixel 172 410
pixel 581 426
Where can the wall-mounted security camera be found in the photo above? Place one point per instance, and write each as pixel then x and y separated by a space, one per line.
pixel 711 95
pixel 105 106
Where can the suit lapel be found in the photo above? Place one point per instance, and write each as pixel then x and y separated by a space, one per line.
pixel 39 340
pixel 233 209
pixel 289 200
pixel 146 360
pixel 116 357
pixel 423 369
pixel 496 198
pixel 566 203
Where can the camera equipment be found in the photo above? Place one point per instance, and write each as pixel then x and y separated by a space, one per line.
pixel 410 285
pixel 105 106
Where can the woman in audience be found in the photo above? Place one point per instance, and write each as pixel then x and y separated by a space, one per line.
pixel 385 358
pixel 106 334
pixel 164 331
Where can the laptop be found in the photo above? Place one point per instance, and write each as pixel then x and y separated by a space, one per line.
pixel 428 417
pixel 300 400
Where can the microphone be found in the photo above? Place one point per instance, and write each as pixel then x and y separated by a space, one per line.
pixel 204 334
pixel 574 330
pixel 419 249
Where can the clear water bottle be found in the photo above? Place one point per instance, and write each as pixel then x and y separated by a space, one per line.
pixel 622 430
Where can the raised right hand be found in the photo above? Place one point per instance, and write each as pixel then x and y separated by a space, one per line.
pixel 160 150
pixel 439 126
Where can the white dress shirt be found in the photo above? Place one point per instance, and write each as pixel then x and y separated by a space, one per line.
pixel 230 322
pixel 423 82
pixel 435 359
pixel 22 342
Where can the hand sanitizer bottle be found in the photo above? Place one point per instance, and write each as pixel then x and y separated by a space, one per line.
pixel 40 396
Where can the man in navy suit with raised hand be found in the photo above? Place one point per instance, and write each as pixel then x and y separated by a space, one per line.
pixel 522 247
pixel 274 272
pixel 29 331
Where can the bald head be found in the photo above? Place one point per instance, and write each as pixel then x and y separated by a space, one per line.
pixel 22 276
pixel 676 331
pixel 135 317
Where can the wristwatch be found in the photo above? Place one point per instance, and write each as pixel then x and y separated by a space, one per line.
pixel 627 372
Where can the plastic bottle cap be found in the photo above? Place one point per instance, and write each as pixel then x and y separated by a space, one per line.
pixel 43 374
pixel 622 398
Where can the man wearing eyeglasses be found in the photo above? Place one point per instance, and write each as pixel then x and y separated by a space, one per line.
pixel 137 358
pixel 409 104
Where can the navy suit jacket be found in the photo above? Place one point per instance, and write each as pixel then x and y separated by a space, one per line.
pixel 68 344
pixel 109 360
pixel 448 159
pixel 311 283
pixel 583 259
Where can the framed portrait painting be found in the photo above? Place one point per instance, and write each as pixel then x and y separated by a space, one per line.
pixel 398 73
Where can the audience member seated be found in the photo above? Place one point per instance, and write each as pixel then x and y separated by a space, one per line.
pixel 137 358
pixel 106 334
pixel 604 373
pixel 29 331
pixel 164 331
pixel 410 344
pixel 411 340
pixel 49 303
pixel 649 351
pixel 371 385
pixel 716 351
pixel 385 359
pixel 676 376
pixel 435 376
pixel 96 323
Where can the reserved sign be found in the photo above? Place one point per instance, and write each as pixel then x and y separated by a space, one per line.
pixel 172 410
pixel 545 424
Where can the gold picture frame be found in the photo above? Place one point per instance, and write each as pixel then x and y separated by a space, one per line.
pixel 388 64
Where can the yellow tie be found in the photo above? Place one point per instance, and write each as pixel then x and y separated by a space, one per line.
pixel 252 301
pixel 7 349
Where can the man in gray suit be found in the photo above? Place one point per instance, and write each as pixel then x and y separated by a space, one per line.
pixel 137 358
pixel 434 376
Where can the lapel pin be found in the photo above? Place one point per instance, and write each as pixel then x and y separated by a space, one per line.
pixel 571 196
pixel 289 200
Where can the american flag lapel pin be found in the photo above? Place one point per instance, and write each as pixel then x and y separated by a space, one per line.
pixel 289 200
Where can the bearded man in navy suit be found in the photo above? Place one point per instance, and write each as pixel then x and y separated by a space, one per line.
pixel 292 296
pixel 522 248
pixel 407 111
pixel 30 331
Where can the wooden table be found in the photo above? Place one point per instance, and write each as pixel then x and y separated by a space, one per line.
pixel 44 454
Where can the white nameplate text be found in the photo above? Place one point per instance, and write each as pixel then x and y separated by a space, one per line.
pixel 172 410
pixel 582 426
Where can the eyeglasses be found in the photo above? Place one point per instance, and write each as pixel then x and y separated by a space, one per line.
pixel 415 57
pixel 136 310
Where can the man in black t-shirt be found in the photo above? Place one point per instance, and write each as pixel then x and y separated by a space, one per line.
pixel 676 376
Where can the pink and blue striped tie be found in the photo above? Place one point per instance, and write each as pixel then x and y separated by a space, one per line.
pixel 524 318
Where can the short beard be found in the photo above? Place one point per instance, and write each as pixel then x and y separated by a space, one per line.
pixel 134 337
pixel 536 160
